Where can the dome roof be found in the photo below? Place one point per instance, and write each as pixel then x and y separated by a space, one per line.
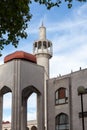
pixel 20 55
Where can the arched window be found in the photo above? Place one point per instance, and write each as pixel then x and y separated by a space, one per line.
pixel 44 44
pixel 62 122
pixel 61 96
pixel 39 45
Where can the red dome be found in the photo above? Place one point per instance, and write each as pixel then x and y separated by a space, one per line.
pixel 20 55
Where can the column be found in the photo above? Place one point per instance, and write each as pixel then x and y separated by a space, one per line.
pixel 24 115
pixel 16 111
pixel 40 112
pixel 16 98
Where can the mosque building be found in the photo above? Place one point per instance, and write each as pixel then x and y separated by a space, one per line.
pixel 61 101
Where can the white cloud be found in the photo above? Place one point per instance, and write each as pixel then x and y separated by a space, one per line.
pixel 70 43
pixel 82 11
pixel 1 62
pixel 32 105
pixel 7 106
pixel 7 118
pixel 7 101
pixel 32 101
pixel 31 116
pixel 76 19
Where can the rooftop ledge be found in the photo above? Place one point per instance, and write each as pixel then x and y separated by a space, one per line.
pixel 20 55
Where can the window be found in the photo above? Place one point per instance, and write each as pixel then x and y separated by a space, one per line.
pixel 61 96
pixel 62 122
pixel 44 45
pixel 39 45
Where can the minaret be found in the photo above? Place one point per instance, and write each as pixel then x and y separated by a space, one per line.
pixel 42 49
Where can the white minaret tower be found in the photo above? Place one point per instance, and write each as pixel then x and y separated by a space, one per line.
pixel 43 51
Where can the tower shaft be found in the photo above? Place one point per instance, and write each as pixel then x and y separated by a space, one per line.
pixel 42 49
pixel 44 61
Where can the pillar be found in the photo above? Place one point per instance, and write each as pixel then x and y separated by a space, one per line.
pixel 16 111
pixel 16 99
pixel 24 115
pixel 40 112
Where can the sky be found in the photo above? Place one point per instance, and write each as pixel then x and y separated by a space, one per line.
pixel 67 29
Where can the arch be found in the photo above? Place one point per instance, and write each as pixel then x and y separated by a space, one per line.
pixel 26 92
pixel 5 90
pixel 62 122
pixel 44 44
pixel 61 96
pixel 39 44
pixel 33 128
pixel 5 102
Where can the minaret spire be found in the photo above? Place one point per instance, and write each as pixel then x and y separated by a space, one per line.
pixel 42 32
pixel 42 24
pixel 42 49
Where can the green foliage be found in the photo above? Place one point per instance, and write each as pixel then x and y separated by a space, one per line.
pixel 14 17
pixel 51 3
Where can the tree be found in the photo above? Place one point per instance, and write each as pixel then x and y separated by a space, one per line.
pixel 14 17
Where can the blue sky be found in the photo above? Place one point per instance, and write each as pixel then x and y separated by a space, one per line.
pixel 67 29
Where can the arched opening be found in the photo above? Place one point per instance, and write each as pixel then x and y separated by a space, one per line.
pixel 32 110
pixel 44 45
pixel 39 44
pixel 49 47
pixel 30 99
pixel 35 47
pixel 62 122
pixel 7 106
pixel 6 96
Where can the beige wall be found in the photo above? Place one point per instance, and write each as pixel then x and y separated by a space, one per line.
pixel 71 82
pixel 22 78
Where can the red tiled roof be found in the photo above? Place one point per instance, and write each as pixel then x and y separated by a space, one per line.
pixel 20 55
pixel 6 122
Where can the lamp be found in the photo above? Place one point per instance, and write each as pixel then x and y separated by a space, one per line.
pixel 81 91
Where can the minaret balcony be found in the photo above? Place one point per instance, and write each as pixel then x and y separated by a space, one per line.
pixel 43 51
pixel 43 46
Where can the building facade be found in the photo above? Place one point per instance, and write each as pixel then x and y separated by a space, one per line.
pixel 62 102
pixel 31 125
pixel 21 76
